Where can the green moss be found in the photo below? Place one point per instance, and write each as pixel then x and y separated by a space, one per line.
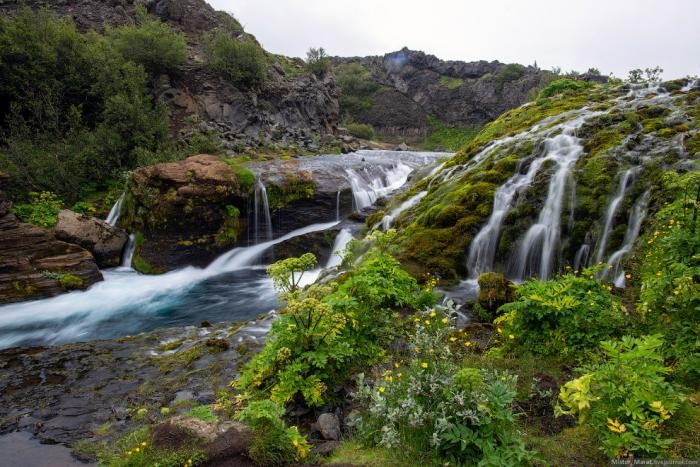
pixel 448 82
pixel 181 359
pixel 170 345
pixel 230 228
pixel 572 447
pixel 447 138
pixel 295 186
pixel 71 281
pixel 202 412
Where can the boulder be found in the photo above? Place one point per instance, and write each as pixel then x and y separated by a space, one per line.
pixel 104 241
pixel 329 426
pixel 401 147
pixel 33 263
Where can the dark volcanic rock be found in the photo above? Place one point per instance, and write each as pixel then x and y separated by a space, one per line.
pixel 34 264
pixel 104 241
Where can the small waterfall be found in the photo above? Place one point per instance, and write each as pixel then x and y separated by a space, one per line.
pixel 626 181
pixel 115 212
pixel 537 249
pixel 368 185
pixel 261 207
pixel 341 241
pixel 581 258
pixel 408 204
pixel 634 224
pixel 128 254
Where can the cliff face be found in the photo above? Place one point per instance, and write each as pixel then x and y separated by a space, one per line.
pixel 400 90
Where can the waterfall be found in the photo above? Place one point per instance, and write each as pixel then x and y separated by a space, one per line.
pixel 626 181
pixel 581 258
pixel 634 224
pixel 261 207
pixel 128 255
pixel 408 204
pixel 341 241
pixel 115 212
pixel 368 185
pixel 537 249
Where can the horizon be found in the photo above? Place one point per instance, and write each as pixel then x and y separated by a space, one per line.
pixel 653 32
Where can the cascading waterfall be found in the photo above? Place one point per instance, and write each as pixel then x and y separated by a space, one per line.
pixel 339 245
pixel 634 224
pixel 369 185
pixel 115 212
pixel 537 249
pixel 626 182
pixel 128 254
pixel 408 204
pixel 261 207
pixel 581 258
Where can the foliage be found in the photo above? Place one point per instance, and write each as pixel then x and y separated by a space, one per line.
pixel 451 83
pixel 565 316
pixel 245 177
pixel 430 403
pixel 494 291
pixel 241 61
pixel 648 75
pixel 447 138
pixel 669 273
pixel 357 89
pixel 286 274
pixel 317 62
pixel 562 85
pixel 273 442
pixel 360 130
pixel 42 210
pixel 150 43
pixel 202 412
pixel 625 397
pixel 73 111
pixel 511 72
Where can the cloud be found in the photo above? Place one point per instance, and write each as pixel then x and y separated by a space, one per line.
pixel 611 35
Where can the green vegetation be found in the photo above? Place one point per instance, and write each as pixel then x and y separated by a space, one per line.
pixel 317 62
pixel 150 43
pixel 511 72
pixel 450 82
pixel 228 232
pixel 357 89
pixel 202 412
pixel 560 86
pixel 360 130
pixel 445 138
pixel 42 210
pixel 241 61
pixel 246 178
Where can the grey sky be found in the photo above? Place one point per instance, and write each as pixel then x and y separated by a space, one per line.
pixel 611 35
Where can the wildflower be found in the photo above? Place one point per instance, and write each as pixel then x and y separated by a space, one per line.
pixel 432 314
pixel 467 343
pixel 452 339
pixel 628 276
pixel 427 321
pixel 398 375
pixel 609 288
pixel 499 330
pixel 128 453
pixel 658 273
pixel 416 320
pixel 417 349
pixel 675 292
pixel 615 426
pixel 511 336
pixel 396 365
pixel 424 365
pixel 382 389
pixel 445 320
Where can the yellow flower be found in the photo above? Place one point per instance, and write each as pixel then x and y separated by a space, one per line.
pixel 452 339
pixel 417 349
pixel 398 375
pixel 628 276
pixel 445 320
pixel 382 389
pixel 143 444
pixel 128 453
pixel 432 314
pixel 424 365
pixel 416 320
pixel 396 365
pixel 511 336
pixel 467 343
pixel 658 274
pixel 499 330
pixel 137 450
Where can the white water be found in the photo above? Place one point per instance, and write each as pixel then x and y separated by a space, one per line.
pixel 370 184
pixel 626 182
pixel 634 224
pixel 261 209
pixel 115 212
pixel 128 254
pixel 339 245
pixel 581 258
pixel 408 204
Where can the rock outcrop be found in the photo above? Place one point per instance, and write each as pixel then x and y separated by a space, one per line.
pixel 34 264
pixel 187 211
pixel 104 241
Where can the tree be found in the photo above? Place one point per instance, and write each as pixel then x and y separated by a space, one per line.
pixel 241 61
pixel 317 61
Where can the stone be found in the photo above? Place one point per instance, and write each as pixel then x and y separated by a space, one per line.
pixel 233 439
pixel 326 448
pixel 329 426
pixel 104 241
pixel 402 147
pixel 33 263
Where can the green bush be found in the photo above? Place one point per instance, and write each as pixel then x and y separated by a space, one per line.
pixel 559 86
pixel 511 72
pixel 566 316
pixel 42 210
pixel 150 43
pixel 429 403
pixel 494 291
pixel 625 398
pixel 357 88
pixel 317 62
pixel 241 61
pixel 360 130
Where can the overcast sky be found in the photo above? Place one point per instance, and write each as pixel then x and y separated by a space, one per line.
pixel 611 35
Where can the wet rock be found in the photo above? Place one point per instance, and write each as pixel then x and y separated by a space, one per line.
pixel 329 426
pixel 327 448
pixel 34 264
pixel 401 147
pixel 104 241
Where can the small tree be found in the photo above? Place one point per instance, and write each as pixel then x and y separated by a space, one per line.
pixel 317 61
pixel 241 61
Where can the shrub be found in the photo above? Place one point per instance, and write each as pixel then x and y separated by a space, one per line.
pixel 625 397
pixel 511 72
pixel 494 291
pixel 241 61
pixel 566 316
pixel 317 61
pixel 357 88
pixel 360 130
pixel 559 86
pixel 150 43
pixel 430 403
pixel 273 442
pixel 42 210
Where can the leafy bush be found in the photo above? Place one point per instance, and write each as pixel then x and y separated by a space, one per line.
pixel 241 61
pixel 430 403
pixel 360 130
pixel 625 398
pixel 357 88
pixel 566 316
pixel 317 61
pixel 273 442
pixel 559 86
pixel 42 210
pixel 511 72
pixel 150 43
